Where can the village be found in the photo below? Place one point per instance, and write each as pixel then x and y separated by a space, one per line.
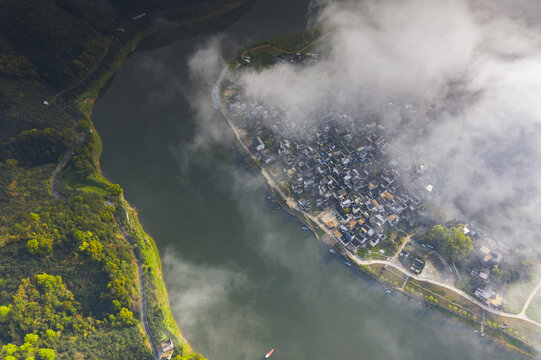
pixel 341 169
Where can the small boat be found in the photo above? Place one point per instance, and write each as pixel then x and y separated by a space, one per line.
pixel 305 228
pixel 332 251
pixel 348 263
pixel 388 291
pixel 269 353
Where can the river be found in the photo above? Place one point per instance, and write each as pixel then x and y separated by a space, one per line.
pixel 242 275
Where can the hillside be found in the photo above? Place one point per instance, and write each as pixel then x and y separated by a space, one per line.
pixel 70 287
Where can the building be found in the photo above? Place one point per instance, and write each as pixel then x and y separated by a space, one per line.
pixel 166 349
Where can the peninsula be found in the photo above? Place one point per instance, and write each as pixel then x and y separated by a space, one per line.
pixel 378 211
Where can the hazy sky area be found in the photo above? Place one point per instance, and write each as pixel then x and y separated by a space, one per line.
pixel 465 75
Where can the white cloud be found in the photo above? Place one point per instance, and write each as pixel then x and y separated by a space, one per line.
pixel 472 69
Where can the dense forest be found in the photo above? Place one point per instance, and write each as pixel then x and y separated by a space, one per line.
pixel 69 284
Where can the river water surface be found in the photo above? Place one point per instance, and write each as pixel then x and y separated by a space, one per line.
pixel 242 275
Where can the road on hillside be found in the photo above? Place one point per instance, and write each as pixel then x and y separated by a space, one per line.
pixel 142 284
pixel 143 306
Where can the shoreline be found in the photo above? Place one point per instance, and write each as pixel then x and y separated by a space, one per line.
pixel 516 344
pixel 87 91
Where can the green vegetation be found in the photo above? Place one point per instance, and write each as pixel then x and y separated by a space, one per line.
pixel 43 40
pixel 260 59
pixel 77 240
pixel 22 108
pixel 294 42
pixel 372 253
pixel 37 147
pixel 160 318
pixel 450 242
pixel 68 281
pixel 262 54
pixel 285 188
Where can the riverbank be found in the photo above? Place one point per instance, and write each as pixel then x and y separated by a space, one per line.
pixel 519 333
pixel 160 320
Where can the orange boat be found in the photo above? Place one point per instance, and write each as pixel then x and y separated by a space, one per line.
pixel 269 353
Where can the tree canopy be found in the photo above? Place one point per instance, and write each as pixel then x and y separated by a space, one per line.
pixel 450 242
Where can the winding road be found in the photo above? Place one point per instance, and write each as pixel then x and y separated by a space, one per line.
pixel 521 315
pixel 272 183
pixel 68 156
pixel 141 275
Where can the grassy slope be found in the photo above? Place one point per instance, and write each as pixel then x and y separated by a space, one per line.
pixel 292 43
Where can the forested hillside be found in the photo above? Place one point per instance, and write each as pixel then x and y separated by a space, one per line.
pixel 69 286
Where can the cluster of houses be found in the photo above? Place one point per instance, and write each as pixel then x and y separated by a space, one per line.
pixel 298 59
pixel 337 163
pixel 487 292
pixel 343 164
pixel 286 58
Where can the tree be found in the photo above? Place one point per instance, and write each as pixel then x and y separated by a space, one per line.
pixel 31 338
pixel 51 334
pixel 125 316
pixel 92 246
pixel 457 245
pixel 39 235
pixel 115 189
pixel 39 244
pixel 451 242
pixel 436 234
pixel 46 354
pixel 48 282
pixel 10 164
pixel 4 311
pixel 42 303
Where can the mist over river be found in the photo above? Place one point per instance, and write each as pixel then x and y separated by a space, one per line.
pixel 242 275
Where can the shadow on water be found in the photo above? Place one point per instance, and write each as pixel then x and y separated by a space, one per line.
pixel 213 25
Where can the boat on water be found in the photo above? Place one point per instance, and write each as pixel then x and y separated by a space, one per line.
pixel 332 251
pixel 348 263
pixel 269 353
pixel 305 228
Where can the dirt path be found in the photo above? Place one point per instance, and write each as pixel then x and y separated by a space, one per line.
pixel 530 299
pixel 245 52
pixel 406 241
